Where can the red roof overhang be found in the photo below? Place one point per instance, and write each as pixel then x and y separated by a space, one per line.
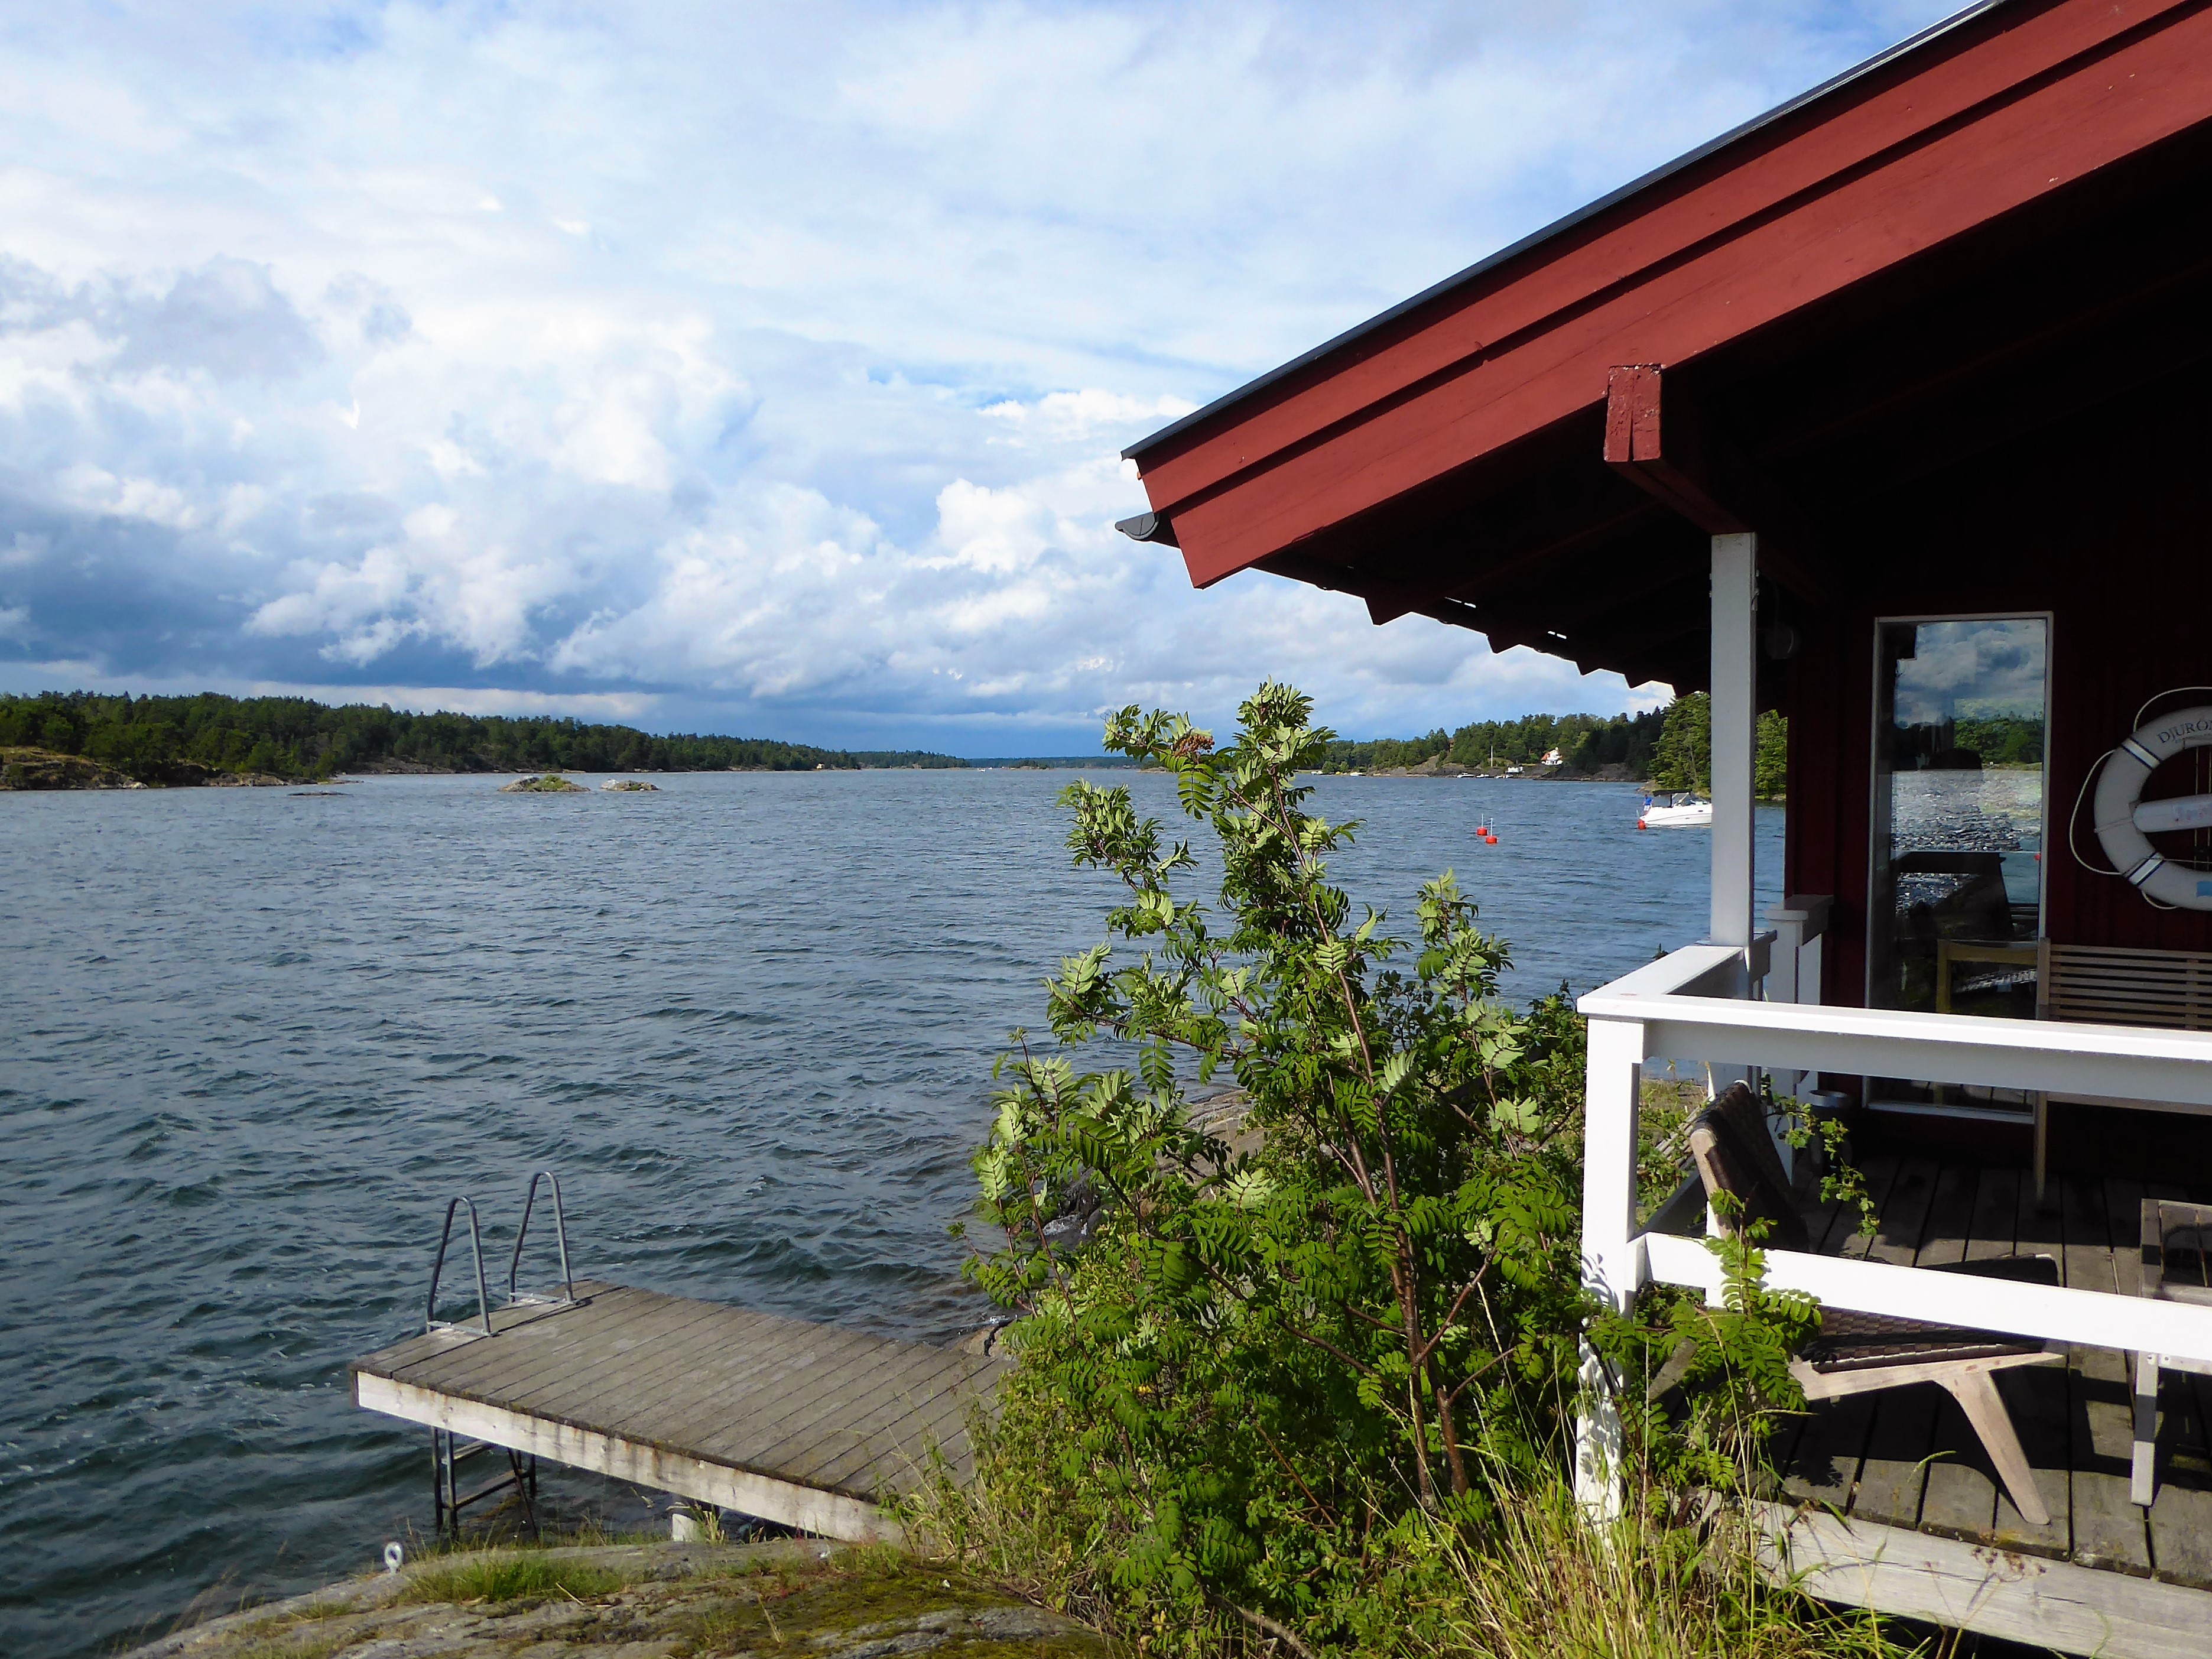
pixel 1461 438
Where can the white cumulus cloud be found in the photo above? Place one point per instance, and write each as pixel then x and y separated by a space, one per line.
pixel 757 367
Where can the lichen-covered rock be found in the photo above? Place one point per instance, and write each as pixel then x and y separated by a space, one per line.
pixel 550 783
pixel 632 787
pixel 797 1600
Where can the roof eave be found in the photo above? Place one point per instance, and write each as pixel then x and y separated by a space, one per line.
pixel 1485 267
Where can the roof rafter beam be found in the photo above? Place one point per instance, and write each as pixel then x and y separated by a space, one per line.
pixel 1470 578
pixel 1661 442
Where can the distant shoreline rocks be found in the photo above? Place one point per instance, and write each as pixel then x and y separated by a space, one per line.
pixel 47 768
pixel 42 768
pixel 1438 767
pixel 548 783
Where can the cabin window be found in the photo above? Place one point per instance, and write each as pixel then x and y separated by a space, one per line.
pixel 1956 899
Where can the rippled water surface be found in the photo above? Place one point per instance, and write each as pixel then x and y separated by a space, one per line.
pixel 254 1040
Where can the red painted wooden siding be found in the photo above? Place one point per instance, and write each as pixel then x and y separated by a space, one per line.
pixel 2108 526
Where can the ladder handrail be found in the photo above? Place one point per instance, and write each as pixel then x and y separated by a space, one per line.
pixel 430 1321
pixel 560 1232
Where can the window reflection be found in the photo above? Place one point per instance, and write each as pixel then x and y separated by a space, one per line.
pixel 1957 894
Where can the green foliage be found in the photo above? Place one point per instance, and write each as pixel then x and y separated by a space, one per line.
pixel 1684 758
pixel 1770 771
pixel 173 739
pixel 1262 1383
pixel 1586 742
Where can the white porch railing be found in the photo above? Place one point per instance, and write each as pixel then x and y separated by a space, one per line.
pixel 1693 1004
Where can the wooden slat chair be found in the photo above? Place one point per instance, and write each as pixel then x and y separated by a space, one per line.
pixel 2114 985
pixel 1859 1352
pixel 2176 1267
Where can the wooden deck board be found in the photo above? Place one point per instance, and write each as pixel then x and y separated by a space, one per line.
pixel 1995 1222
pixel 2039 1401
pixel 775 1378
pixel 1858 1456
pixel 2109 1530
pixel 2103 1571
pixel 1825 1465
pixel 803 1442
pixel 687 1340
pixel 708 1399
pixel 787 1435
pixel 918 1407
pixel 550 1347
pixel 685 1370
pixel 451 1349
pixel 2181 1518
pixel 818 1448
pixel 1893 1467
pixel 1959 1498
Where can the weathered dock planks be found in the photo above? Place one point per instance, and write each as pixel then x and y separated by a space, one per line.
pixel 809 1425
pixel 1891 1502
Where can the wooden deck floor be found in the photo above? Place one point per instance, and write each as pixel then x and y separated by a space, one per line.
pixel 1905 1458
pixel 807 1424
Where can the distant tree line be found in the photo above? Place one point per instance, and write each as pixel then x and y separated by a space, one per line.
pixel 1671 747
pixel 1585 742
pixel 170 740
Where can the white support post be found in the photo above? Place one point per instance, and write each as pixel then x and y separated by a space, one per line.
pixel 1736 718
pixel 1613 1254
pixel 1799 924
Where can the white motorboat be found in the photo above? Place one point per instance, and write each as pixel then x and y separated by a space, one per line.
pixel 1677 810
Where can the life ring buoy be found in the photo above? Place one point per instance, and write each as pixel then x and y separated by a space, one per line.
pixel 2125 821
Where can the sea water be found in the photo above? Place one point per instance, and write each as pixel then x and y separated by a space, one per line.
pixel 255 1039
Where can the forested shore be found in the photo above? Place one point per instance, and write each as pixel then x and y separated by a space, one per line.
pixel 1587 742
pixel 1669 748
pixel 196 740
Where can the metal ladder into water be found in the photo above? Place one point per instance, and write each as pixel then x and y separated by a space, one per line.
pixel 447 1450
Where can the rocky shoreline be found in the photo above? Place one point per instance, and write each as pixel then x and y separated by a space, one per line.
pixel 651 1600
pixel 54 771
pixel 1440 767
pixel 45 769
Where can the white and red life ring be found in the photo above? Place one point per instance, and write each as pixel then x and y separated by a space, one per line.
pixel 2125 821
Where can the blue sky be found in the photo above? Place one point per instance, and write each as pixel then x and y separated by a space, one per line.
pixel 758 368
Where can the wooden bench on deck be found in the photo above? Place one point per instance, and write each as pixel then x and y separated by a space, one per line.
pixel 2116 985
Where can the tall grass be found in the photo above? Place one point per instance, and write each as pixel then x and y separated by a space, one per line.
pixel 1547 1585
pixel 1537 1582
pixel 509 1577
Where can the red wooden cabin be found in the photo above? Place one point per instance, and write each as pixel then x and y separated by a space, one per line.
pixel 1878 410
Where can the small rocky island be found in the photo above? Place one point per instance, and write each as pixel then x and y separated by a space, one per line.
pixel 547 783
pixel 632 787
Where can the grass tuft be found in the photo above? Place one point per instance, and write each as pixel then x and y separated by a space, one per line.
pixel 1546 1585
pixel 505 1577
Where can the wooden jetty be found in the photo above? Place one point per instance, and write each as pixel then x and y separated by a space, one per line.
pixel 808 1426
